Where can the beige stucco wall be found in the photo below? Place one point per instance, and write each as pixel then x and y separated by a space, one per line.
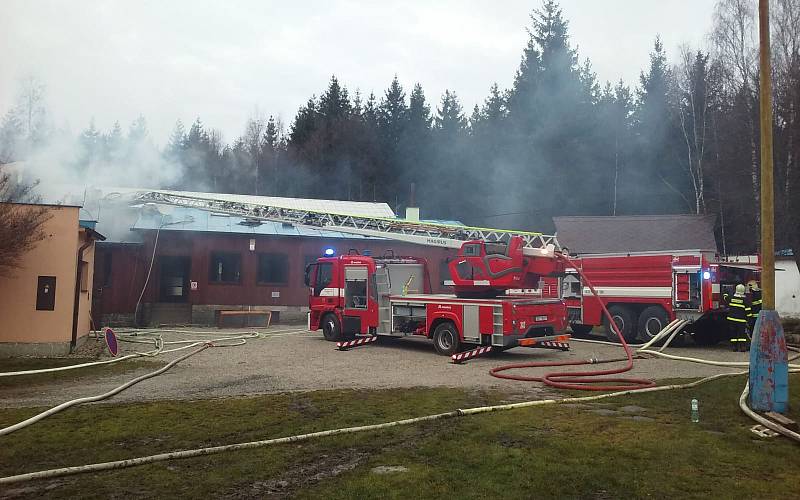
pixel 56 255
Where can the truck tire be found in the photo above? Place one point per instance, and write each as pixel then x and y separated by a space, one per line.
pixel 445 339
pixel 331 328
pixel 579 329
pixel 652 320
pixel 624 318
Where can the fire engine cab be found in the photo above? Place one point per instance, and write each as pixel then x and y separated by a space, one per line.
pixel 645 291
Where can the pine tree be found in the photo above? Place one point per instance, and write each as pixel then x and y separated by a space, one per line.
pixel 114 145
pixel 370 113
pixel 392 121
pixel 334 103
pixel 658 177
pixel 177 140
pixel 392 114
pixel 138 130
pixel 271 151
pixel 90 142
pixel 450 121
pixel 304 124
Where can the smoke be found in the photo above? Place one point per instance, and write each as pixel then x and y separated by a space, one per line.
pixel 63 174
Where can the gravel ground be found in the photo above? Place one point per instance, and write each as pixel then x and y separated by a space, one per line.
pixel 293 359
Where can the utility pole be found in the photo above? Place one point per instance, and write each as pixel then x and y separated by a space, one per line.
pixel 769 368
pixel 767 183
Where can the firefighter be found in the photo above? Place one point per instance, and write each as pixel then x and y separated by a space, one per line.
pixel 755 304
pixel 738 314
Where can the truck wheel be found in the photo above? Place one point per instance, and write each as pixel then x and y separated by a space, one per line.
pixel 623 317
pixel 651 322
pixel 331 328
pixel 579 329
pixel 445 339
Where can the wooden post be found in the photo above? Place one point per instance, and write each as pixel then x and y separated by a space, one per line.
pixel 769 368
pixel 767 183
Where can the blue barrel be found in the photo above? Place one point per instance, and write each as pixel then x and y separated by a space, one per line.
pixel 769 365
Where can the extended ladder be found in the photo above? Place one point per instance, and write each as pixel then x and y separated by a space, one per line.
pixel 424 233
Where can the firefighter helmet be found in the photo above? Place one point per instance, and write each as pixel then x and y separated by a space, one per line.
pixel 740 289
pixel 752 285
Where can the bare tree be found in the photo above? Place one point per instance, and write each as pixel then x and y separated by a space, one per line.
pixel 694 94
pixel 253 134
pixel 24 126
pixel 786 49
pixel 734 40
pixel 21 228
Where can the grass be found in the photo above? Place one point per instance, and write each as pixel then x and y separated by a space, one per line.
pixel 91 372
pixel 544 452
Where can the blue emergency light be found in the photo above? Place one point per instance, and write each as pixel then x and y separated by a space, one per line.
pixel 330 252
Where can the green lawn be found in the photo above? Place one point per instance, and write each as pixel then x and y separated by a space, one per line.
pixel 584 451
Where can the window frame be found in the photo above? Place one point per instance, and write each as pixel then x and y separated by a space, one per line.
pixel 212 276
pixel 287 273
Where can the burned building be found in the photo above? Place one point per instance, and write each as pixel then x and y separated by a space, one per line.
pixel 177 265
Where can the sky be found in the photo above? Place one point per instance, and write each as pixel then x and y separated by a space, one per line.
pixel 227 61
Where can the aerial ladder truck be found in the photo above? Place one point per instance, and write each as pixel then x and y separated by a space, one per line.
pixel 391 295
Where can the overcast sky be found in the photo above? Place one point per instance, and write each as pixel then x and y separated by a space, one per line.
pixel 225 61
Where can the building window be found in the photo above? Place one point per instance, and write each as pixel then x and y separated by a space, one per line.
pixel 273 268
pixel 225 267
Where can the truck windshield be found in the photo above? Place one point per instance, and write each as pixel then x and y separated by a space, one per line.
pixel 323 278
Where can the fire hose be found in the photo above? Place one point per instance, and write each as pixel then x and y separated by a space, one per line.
pixel 181 454
pixel 99 397
pixel 234 339
pixel 127 336
pixel 591 380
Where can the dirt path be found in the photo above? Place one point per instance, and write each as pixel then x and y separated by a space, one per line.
pixel 292 359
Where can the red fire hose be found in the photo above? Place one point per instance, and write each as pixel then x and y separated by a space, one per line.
pixel 593 380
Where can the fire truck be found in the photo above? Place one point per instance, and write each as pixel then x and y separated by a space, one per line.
pixel 391 295
pixel 646 291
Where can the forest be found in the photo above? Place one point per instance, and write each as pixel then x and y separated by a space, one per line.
pixel 684 139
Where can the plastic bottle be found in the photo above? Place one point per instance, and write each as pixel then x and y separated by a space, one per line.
pixel 695 411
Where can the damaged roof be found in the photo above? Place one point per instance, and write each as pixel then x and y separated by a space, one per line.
pixel 194 219
pixel 635 233
pixel 364 208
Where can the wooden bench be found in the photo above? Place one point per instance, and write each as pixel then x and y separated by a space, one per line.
pixel 246 314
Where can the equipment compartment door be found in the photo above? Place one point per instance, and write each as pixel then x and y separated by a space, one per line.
pixel 686 288
pixel 358 308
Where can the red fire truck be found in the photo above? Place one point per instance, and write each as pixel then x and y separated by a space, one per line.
pixel 645 291
pixel 390 296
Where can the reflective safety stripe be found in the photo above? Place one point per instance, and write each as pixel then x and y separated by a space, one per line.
pixel 737 320
pixel 738 340
pixel 757 302
pixel 736 304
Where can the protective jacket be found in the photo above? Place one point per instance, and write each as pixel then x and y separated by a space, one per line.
pixel 738 310
pixel 755 303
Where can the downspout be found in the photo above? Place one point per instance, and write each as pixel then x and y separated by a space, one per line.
pixel 74 341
